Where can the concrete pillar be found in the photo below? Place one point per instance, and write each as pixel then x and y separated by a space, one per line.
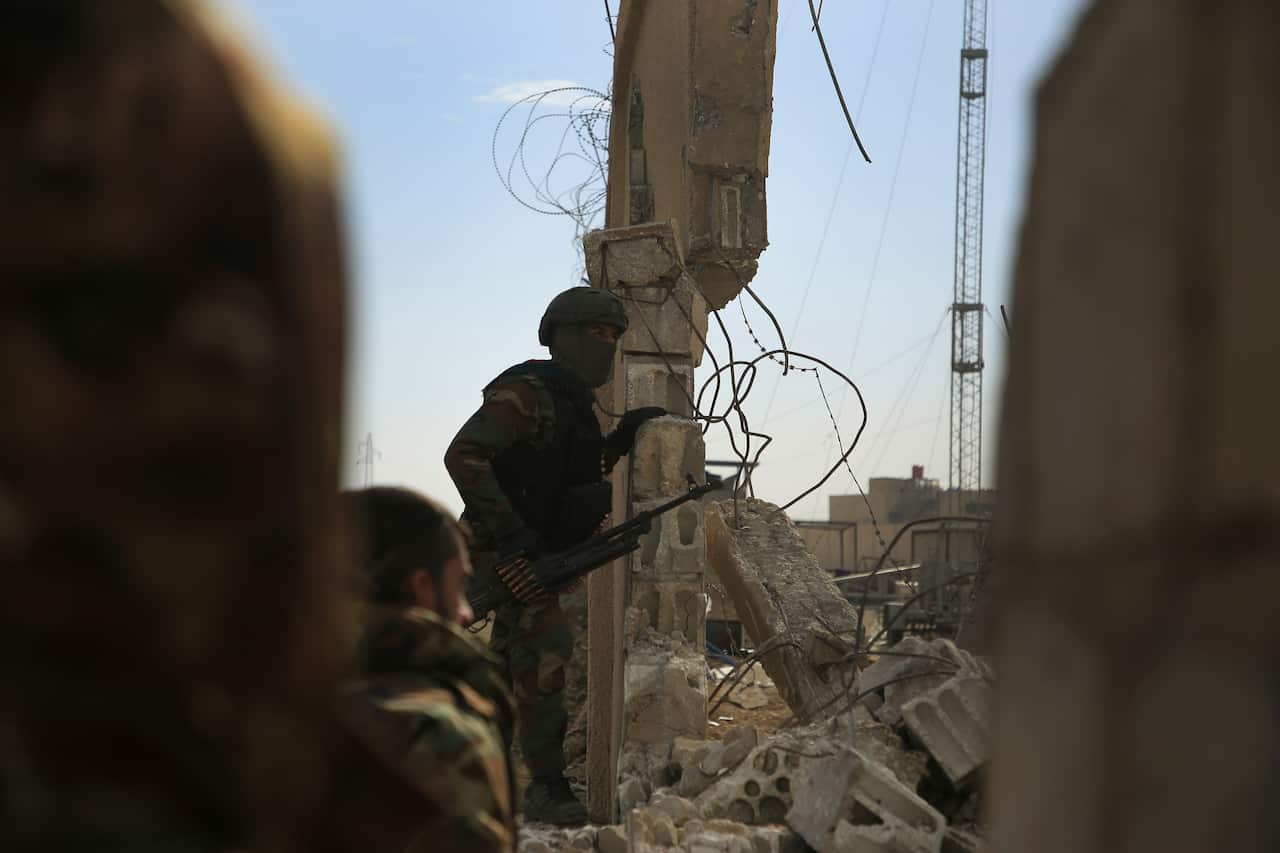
pixel 685 223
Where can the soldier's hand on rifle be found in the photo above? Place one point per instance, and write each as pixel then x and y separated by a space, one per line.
pixel 623 437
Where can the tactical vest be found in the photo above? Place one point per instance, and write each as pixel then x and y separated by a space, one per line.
pixel 537 480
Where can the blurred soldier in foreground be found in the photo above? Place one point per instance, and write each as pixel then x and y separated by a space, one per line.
pixel 530 466
pixel 171 354
pixel 431 702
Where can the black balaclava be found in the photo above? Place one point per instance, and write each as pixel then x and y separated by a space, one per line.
pixel 583 353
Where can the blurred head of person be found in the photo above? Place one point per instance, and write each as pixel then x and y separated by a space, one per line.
pixel 415 552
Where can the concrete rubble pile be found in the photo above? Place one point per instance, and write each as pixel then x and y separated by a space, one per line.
pixel 850 784
pixel 888 758
pixel 897 772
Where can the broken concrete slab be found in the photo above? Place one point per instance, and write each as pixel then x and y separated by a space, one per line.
pixel 953 723
pixel 698 764
pixel 846 802
pixel 911 669
pixel 784 599
pixel 821 787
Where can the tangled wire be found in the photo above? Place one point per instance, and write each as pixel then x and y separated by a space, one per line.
pixel 574 181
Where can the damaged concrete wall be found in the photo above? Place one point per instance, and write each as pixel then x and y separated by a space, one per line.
pixel 685 223
pixel 1139 486
pixel 786 601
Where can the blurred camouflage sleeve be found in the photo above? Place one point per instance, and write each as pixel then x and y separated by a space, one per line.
pixel 450 754
pixel 514 410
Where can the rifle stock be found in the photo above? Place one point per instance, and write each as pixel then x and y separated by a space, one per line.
pixel 514 577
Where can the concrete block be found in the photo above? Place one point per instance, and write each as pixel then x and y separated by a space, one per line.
pixel 759 790
pixel 665 696
pixel 953 723
pixel 668 319
pixel 667 452
pixel 650 380
pixel 700 765
pixel 675 548
pixel 675 609
pixel 635 255
pixel 821 787
pixel 846 802
pixel 914 668
pixel 882 744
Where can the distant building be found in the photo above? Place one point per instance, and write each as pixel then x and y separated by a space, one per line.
pixel 847 543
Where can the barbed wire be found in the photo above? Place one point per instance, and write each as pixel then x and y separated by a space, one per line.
pixel 574 122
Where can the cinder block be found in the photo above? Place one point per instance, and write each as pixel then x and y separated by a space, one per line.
pixel 667 452
pixel 847 802
pixel 952 723
pixel 669 318
pixel 675 548
pixel 674 609
pixel 652 381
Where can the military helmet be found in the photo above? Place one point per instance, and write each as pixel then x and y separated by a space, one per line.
pixel 582 305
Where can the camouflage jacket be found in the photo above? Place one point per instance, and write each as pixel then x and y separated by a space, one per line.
pixel 518 410
pixel 433 705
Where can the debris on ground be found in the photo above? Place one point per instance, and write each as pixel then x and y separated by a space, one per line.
pixel 899 771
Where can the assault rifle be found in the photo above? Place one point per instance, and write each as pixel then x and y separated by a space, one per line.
pixel 515 577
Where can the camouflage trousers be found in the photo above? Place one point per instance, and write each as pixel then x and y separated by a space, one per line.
pixel 535 642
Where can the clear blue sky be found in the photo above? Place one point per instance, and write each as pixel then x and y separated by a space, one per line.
pixel 451 274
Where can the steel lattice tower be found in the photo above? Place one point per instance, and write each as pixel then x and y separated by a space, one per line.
pixel 967 309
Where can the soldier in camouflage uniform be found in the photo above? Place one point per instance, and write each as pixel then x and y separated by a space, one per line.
pixel 530 465
pixel 171 361
pixel 431 702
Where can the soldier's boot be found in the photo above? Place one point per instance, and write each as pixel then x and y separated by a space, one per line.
pixel 549 799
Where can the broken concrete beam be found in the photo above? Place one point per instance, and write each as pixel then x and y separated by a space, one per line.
pixel 784 599
pixel 952 723
pixel 667 452
pixel 846 802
